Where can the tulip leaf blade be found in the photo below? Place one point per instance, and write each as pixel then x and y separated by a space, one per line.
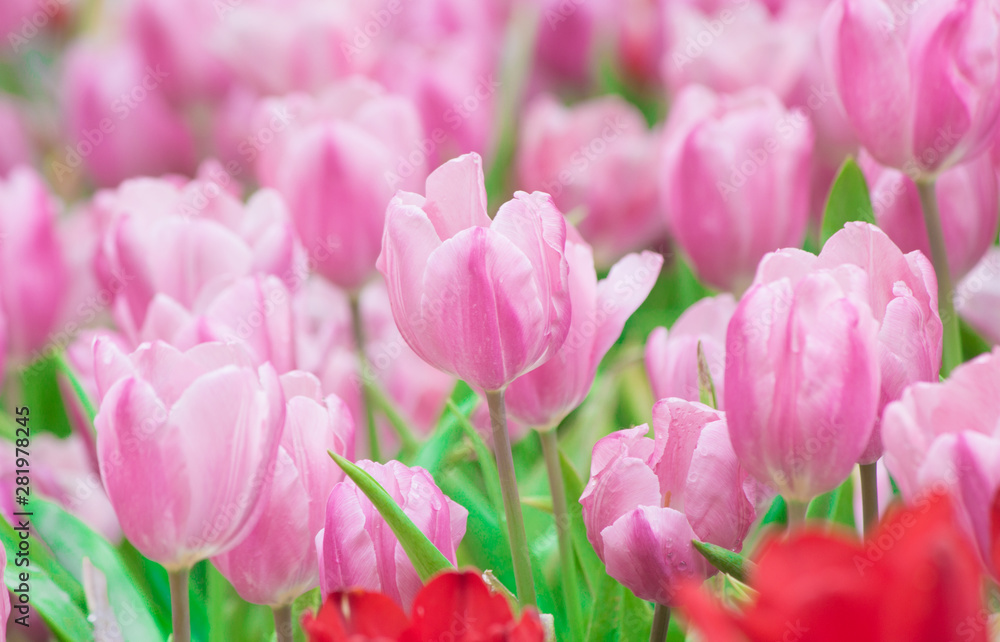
pixel 836 507
pixel 77 541
pixel 424 555
pixel 725 560
pixel 55 595
pixel 849 200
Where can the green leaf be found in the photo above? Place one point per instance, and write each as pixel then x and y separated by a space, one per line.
pixel 426 558
pixel 229 616
pixel 849 200
pixel 618 615
pixel 725 560
pixel 70 541
pixel 56 596
pixel 836 507
pixel 590 563
pixel 485 457
pixel 41 393
pixel 777 514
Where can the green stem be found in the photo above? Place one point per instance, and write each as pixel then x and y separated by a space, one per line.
pixel 179 604
pixel 511 500
pixel 796 513
pixel 869 496
pixel 283 623
pixel 359 345
pixel 410 442
pixel 661 623
pixel 952 349
pixel 483 454
pixel 560 510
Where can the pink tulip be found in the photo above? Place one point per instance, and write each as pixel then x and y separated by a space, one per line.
pixel 62 472
pixel 178 37
pixel 484 300
pixel 568 40
pixel 254 310
pixel 967 198
pixel 357 549
pixel 119 123
pixel 732 46
pixel 599 310
pixel 919 84
pixel 598 156
pixel 338 167
pixel 16 134
pixel 736 181
pixel 977 297
pixel 276 562
pixel 188 241
pixel 34 281
pixel 902 295
pixel 672 357
pixel 802 375
pixel 187 443
pixel 943 436
pixel 648 498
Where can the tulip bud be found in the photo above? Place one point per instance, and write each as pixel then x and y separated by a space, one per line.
pixel 648 498
pixel 187 241
pixel 942 437
pixel 276 562
pixel 484 300
pixel 34 270
pixel 599 156
pixel 120 124
pixel 543 397
pixel 357 549
pixel 920 87
pixel 802 379
pixel 187 443
pixel 672 357
pixel 337 166
pixel 736 181
pixel 966 196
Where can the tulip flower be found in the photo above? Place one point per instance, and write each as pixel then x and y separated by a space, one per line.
pixel 484 300
pixel 601 157
pixel 978 296
pixel 915 579
pixel 333 162
pixel 256 310
pixel 277 562
pixel 119 122
pixel 970 210
pixel 896 74
pixel 672 357
pixel 902 296
pixel 357 549
pixel 802 376
pixel 648 498
pixel 735 181
pixel 942 436
pixel 188 241
pixel 34 271
pixel 451 603
pixel 172 424
pixel 14 130
pixel 599 310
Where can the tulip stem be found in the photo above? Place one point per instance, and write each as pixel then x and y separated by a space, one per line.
pixel 511 499
pixel 179 604
pixel 359 345
pixel 952 340
pixel 796 513
pixel 283 623
pixel 661 623
pixel 560 510
pixel 869 496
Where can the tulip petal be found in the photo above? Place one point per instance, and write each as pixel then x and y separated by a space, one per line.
pixel 456 196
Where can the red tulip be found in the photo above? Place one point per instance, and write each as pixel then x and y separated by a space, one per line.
pixel 453 606
pixel 916 579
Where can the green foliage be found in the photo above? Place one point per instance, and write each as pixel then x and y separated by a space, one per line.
pixel 849 200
